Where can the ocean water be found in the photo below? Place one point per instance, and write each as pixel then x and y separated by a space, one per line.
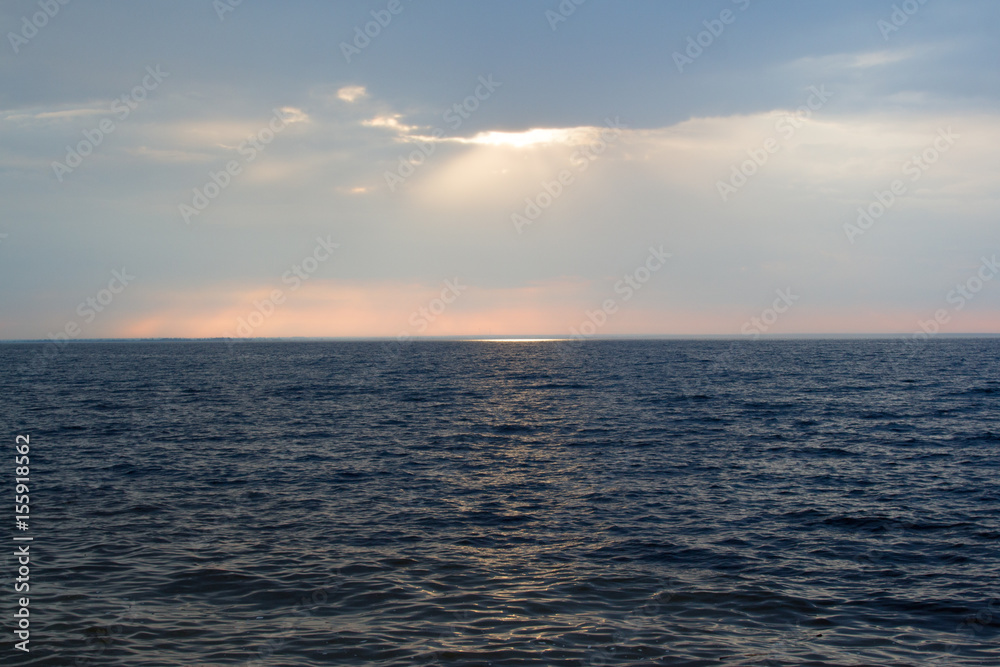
pixel 473 503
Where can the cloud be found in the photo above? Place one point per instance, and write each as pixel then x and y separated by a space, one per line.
pixel 293 115
pixel 391 123
pixel 356 190
pixel 830 65
pixel 571 136
pixel 56 115
pixel 352 94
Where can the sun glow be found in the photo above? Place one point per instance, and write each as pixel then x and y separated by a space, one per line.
pixel 516 340
pixel 534 137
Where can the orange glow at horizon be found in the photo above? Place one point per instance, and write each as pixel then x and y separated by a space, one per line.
pixel 540 312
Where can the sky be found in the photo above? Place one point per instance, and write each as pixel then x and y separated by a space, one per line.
pixel 407 168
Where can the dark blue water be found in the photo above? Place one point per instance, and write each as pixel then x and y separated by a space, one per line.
pixel 469 503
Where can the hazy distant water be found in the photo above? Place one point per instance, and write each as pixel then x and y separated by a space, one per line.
pixel 627 503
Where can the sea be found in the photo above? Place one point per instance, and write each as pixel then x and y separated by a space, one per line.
pixel 599 502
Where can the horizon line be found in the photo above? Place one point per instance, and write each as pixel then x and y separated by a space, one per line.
pixel 522 338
